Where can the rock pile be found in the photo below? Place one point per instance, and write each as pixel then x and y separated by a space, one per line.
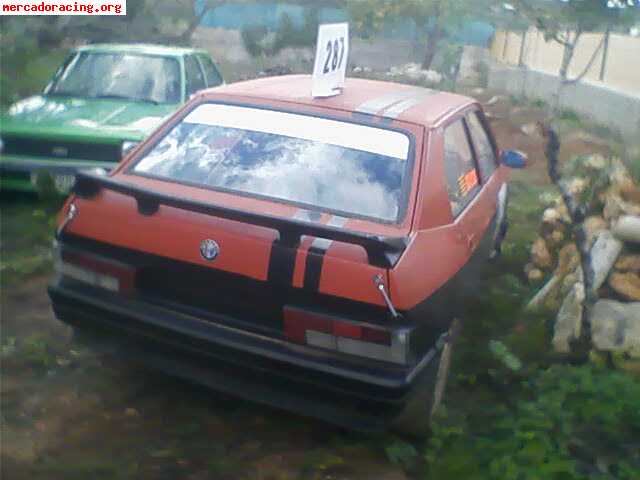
pixel 612 227
pixel 414 71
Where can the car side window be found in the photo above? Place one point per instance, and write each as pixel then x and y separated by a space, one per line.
pixel 195 76
pixel 211 72
pixel 484 148
pixel 460 168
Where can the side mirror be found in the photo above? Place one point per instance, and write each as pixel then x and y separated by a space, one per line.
pixel 513 159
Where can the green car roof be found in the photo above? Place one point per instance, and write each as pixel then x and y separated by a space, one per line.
pixel 140 48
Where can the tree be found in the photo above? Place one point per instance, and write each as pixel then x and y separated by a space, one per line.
pixel 565 22
pixel 194 13
pixel 432 17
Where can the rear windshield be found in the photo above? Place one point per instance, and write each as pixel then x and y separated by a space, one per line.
pixel 333 165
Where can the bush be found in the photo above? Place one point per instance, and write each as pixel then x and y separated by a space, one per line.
pixel 287 34
pixel 482 70
pixel 253 37
pixel 565 422
pixel 257 42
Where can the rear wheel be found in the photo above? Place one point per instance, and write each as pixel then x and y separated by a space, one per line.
pixel 415 419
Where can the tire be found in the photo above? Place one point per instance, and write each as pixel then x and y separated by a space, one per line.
pixel 415 419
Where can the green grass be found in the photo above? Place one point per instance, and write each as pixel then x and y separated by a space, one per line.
pixel 539 103
pixel 86 469
pixel 569 115
pixel 27 227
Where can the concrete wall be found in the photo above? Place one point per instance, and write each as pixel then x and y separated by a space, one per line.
pixel 613 108
pixel 616 67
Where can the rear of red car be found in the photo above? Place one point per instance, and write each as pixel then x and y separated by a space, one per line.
pixel 248 247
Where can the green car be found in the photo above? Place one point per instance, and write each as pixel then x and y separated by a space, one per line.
pixel 100 103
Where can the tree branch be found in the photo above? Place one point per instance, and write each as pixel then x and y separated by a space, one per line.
pixel 577 214
pixel 589 63
pixel 562 41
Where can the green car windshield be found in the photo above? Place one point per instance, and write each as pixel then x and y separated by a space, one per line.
pixel 114 75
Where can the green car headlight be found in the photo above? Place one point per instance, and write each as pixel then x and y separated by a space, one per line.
pixel 127 146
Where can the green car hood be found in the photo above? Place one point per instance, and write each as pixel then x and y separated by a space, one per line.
pixel 83 119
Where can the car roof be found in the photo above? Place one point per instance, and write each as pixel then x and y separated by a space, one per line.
pixel 418 105
pixel 141 48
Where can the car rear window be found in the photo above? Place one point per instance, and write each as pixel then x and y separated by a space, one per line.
pixel 345 167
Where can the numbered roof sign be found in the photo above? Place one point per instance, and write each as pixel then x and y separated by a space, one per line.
pixel 332 54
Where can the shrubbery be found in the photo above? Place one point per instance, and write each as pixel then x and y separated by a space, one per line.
pixel 564 422
pixel 515 410
pixel 260 42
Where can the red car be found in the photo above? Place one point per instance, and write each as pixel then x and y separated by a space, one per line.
pixel 306 253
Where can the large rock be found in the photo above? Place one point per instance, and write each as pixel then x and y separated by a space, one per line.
pixel 551 215
pixel 627 228
pixel 535 275
pixel 540 254
pixel 577 185
pixel 570 280
pixel 530 129
pixel 615 326
pixel 495 99
pixel 615 206
pixel 415 72
pixel 568 259
pixel 556 237
pixel 596 161
pixel 604 254
pixel 627 285
pixel 569 321
pixel 619 175
pixel 549 289
pixel 630 193
pixel 628 263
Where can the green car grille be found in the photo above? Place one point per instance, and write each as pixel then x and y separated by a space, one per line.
pixel 62 149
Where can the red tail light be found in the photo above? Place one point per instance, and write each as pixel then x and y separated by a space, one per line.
pixel 97 271
pixel 325 331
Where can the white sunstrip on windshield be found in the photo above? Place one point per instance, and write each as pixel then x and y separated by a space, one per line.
pixel 333 132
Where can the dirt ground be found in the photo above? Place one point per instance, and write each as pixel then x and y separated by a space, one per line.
pixel 68 412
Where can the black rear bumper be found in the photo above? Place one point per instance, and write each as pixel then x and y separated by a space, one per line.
pixel 357 394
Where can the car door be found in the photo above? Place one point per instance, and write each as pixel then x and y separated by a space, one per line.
pixel 468 170
pixel 462 178
pixel 194 75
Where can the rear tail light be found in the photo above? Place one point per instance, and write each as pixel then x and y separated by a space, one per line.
pixel 96 271
pixel 325 331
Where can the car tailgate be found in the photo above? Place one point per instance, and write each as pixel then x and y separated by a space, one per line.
pixel 293 248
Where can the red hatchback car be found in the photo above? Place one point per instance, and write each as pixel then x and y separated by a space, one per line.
pixel 306 253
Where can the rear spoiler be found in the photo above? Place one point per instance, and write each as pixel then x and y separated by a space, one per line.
pixel 382 251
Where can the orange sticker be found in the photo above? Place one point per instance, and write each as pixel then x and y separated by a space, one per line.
pixel 467 181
